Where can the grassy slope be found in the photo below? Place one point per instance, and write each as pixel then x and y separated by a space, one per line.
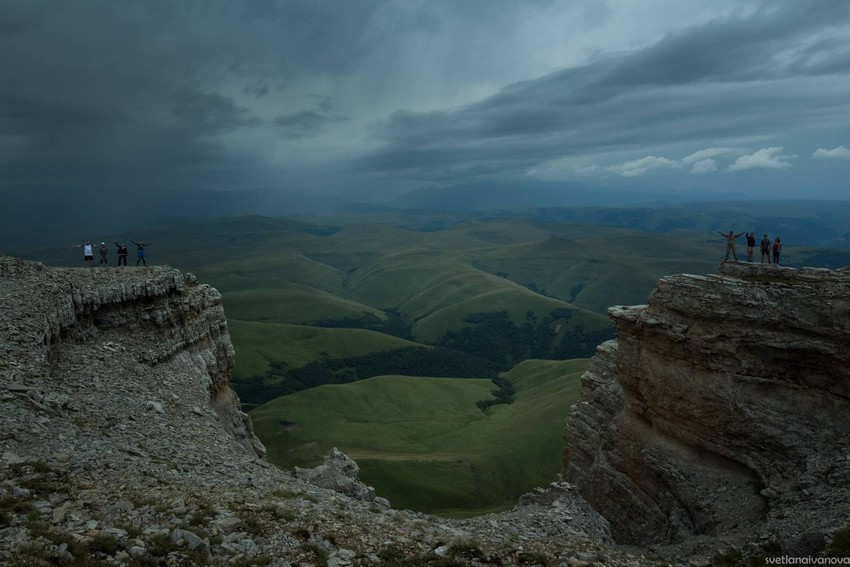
pixel 258 344
pixel 296 305
pixel 437 291
pixel 604 268
pixel 423 443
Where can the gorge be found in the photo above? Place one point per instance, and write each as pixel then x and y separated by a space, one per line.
pixel 717 418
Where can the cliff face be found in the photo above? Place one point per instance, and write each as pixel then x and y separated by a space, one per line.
pixel 722 408
pixel 152 323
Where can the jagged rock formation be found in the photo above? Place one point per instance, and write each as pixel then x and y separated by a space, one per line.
pixel 341 474
pixel 721 410
pixel 121 440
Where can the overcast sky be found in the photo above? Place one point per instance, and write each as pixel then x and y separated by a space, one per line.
pixel 364 98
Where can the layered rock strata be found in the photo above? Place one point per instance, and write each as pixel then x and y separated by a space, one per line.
pixel 62 321
pixel 721 409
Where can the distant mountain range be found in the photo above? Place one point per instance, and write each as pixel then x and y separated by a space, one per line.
pixel 51 216
pixel 48 216
pixel 528 195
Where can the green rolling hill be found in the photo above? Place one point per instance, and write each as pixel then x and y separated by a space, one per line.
pixel 423 442
pixel 259 344
pixel 604 268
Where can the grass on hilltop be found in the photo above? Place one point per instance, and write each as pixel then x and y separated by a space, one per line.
pixel 259 344
pixel 304 306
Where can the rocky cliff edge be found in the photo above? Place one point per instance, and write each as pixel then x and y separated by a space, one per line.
pixel 69 332
pixel 721 411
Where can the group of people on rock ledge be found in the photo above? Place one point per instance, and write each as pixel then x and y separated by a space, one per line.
pixel 88 252
pixel 766 246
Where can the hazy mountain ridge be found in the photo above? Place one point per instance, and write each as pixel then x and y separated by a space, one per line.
pixel 521 195
pixel 46 216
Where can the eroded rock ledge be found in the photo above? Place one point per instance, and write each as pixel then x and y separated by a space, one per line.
pixel 721 409
pixel 130 320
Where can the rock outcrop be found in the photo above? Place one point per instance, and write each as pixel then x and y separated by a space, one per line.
pixel 721 410
pixel 61 322
pixel 341 474
pixel 121 443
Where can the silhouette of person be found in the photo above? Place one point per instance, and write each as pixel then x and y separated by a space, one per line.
pixel 777 248
pixel 103 249
pixel 765 249
pixel 730 243
pixel 140 251
pixel 751 244
pixel 88 253
pixel 122 253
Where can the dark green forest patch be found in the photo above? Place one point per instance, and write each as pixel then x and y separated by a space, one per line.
pixel 393 325
pixel 492 343
pixel 410 361
pixel 495 337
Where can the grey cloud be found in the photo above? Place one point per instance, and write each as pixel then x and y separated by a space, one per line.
pixel 198 93
pixel 644 165
pixel 117 94
pixel 210 113
pixel 258 88
pixel 704 166
pixel 764 44
pixel 17 16
pixel 838 153
pixel 307 123
pixel 300 124
pixel 765 158
pixel 703 86
pixel 823 57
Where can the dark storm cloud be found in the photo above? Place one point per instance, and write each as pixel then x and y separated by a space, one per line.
pixel 167 95
pixel 17 17
pixel 88 93
pixel 209 113
pixel 301 124
pixel 258 88
pixel 742 76
pixel 765 44
pixel 114 93
pixel 306 123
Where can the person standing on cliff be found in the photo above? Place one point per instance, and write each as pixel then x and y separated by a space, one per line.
pixel 765 249
pixel 777 248
pixel 730 243
pixel 122 253
pixel 140 251
pixel 751 244
pixel 103 249
pixel 88 253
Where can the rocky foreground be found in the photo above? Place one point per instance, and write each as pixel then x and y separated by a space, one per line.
pixel 121 443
